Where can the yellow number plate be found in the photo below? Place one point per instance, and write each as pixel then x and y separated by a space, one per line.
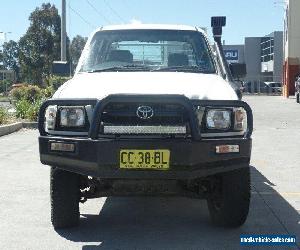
pixel 145 159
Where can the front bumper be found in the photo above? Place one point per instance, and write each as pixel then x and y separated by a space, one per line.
pixel 188 160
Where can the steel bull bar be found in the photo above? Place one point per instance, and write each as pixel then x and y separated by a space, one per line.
pixel 189 105
pixel 192 157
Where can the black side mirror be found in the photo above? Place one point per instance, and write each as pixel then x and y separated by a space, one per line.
pixel 61 68
pixel 238 70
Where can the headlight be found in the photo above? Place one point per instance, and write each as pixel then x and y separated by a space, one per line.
pixel 51 117
pixel 240 119
pixel 218 119
pixel 72 116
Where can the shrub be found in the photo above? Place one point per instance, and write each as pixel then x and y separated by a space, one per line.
pixel 56 81
pixel 22 107
pixel 33 112
pixel 28 100
pixel 28 110
pixel 29 93
pixel 17 93
pixel 3 115
pixel 48 92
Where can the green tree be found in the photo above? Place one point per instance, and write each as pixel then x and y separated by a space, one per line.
pixel 10 56
pixel 76 48
pixel 40 46
pixel 1 60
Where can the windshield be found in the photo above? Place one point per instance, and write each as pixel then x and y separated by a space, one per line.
pixel 147 50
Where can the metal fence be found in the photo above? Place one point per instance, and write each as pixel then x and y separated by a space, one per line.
pixel 264 85
pixel 258 87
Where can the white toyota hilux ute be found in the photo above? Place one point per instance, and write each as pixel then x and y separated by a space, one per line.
pixel 151 110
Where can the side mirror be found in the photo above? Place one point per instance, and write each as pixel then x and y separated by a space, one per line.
pixel 238 70
pixel 61 68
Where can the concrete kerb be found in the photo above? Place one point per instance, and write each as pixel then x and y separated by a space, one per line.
pixel 11 128
pixel 30 125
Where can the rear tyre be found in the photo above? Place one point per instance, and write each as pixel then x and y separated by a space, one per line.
pixel 298 97
pixel 229 202
pixel 64 193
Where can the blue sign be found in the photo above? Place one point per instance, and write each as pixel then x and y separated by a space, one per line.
pixel 231 54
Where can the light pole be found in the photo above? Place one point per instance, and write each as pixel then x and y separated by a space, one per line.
pixel 4 38
pixel 63 55
pixel 4 41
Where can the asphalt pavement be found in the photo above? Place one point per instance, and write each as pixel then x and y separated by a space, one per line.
pixel 156 223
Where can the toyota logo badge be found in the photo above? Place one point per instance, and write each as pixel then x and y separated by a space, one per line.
pixel 144 112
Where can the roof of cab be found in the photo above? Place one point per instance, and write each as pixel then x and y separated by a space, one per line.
pixel 139 26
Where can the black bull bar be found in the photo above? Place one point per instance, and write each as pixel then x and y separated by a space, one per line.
pixel 99 106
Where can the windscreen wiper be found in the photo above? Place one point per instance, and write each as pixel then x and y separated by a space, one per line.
pixel 122 68
pixel 184 68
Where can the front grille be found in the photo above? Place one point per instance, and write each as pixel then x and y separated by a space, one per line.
pixel 166 119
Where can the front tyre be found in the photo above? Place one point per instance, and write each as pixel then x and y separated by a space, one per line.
pixel 229 201
pixel 64 193
pixel 298 97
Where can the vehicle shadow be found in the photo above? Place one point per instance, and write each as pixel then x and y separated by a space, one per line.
pixel 181 223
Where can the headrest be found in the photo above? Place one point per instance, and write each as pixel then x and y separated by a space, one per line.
pixel 120 56
pixel 178 59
